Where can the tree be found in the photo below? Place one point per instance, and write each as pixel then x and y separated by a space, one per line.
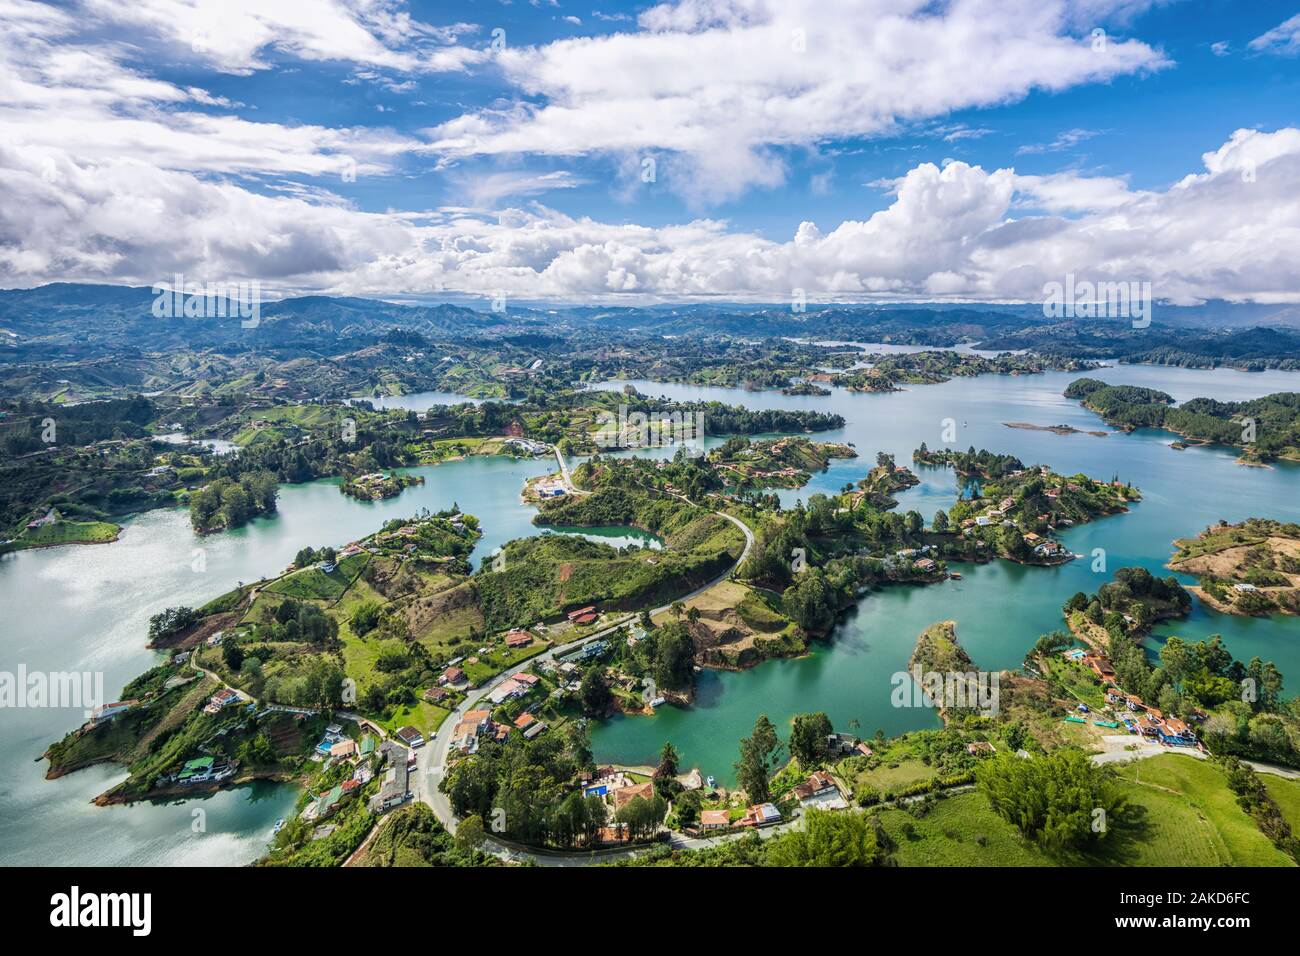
pixel 594 691
pixel 470 833
pixel 940 523
pixel 811 601
pixel 828 839
pixel 674 656
pixel 642 816
pixel 808 734
pixel 667 768
pixel 365 617
pixel 757 761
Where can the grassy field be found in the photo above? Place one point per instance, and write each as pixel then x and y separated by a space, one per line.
pixel 482 666
pixel 1191 818
pixel 1287 795
pixel 960 831
pixel 1180 813
pixel 68 532
pixel 313 584
pixel 422 714
pixel 887 778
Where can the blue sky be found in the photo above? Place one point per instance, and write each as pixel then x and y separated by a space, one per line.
pixel 962 149
pixel 1151 128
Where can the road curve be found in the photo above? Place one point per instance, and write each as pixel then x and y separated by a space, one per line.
pixel 432 762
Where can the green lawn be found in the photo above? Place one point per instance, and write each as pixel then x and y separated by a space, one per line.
pixel 961 830
pixel 422 714
pixel 1287 795
pixel 499 658
pixel 1192 818
pixel 68 532
pixel 1180 813
pixel 313 584
pixel 886 778
pixel 1074 680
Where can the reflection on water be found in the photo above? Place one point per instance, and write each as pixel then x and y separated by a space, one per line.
pixel 87 608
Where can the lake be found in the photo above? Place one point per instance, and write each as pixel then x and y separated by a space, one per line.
pixel 87 607
pixel 1000 608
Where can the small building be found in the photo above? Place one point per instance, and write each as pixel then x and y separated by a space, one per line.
pixel 393 792
pixel 452 676
pixel 220 700
pixel 714 820
pixel 841 745
pixel 820 790
pixel 980 748
pixel 625 795
pixel 583 612
pixel 1176 733
pixel 1101 667
pixel 105 712
pixel 343 749
pixel 518 638
pixel 764 814
pixel 507 690
pixel 410 736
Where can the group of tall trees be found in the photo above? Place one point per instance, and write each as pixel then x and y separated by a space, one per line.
pixel 1061 800
pixel 231 502
pixel 523 789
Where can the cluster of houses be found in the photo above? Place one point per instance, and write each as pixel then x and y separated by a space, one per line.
pixel 478 725
pixel 917 557
pixel 1139 717
pixel 365 757
pixel 1150 721
pixel 475 726
pixel 1043 546
pixel 566 673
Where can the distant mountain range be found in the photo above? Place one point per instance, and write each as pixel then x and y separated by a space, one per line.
pixel 74 322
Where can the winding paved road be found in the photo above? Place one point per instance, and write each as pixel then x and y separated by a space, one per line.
pixel 432 761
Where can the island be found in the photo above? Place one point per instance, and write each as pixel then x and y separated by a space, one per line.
pixel 376 485
pixel 1264 429
pixel 1251 568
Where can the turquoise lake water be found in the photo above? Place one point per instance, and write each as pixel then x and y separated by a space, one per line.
pixel 87 608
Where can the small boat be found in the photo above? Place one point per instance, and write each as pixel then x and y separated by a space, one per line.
pixel 279 825
pixel 955 575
